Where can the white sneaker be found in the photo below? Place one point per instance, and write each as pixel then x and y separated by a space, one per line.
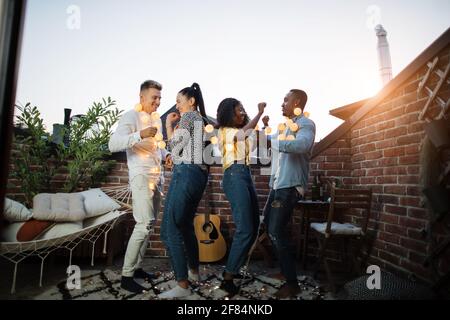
pixel 175 292
pixel 194 277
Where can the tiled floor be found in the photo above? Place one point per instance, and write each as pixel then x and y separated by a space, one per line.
pixel 103 283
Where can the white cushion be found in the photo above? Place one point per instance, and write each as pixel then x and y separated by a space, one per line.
pixel 95 221
pixel 61 229
pixel 15 211
pixel 96 203
pixel 9 232
pixel 337 228
pixel 59 207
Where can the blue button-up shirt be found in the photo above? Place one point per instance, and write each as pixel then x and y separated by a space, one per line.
pixel 290 158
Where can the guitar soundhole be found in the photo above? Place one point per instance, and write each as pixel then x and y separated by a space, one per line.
pixel 211 229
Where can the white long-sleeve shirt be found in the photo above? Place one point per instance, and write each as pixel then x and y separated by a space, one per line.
pixel 143 155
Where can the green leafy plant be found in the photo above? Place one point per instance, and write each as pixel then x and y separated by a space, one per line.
pixel 87 148
pixel 31 167
pixel 85 156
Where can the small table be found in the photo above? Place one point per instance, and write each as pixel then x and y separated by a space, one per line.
pixel 305 207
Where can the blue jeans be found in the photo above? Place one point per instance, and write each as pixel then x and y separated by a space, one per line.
pixel 177 229
pixel 240 192
pixel 279 208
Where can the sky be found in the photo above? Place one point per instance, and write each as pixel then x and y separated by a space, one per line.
pixel 77 52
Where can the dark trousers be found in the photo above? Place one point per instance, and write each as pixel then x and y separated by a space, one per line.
pixel 278 213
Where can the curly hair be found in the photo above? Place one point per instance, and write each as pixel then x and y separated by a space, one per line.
pixel 226 113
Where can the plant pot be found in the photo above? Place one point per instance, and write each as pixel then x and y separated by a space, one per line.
pixel 439 199
pixel 438 132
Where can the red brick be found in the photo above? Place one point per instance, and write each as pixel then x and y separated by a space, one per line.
pixel 415 127
pixel 418 213
pixel 395 170
pixel 409 159
pixel 359 173
pixel 358 157
pixel 386 162
pixel 375 172
pixel 344 151
pixel 396 210
pixel 389 218
pixel 409 139
pixel 413 191
pixel 330 166
pixel 418 246
pixel 335 159
pixel 387 179
pixel 378 136
pixel 389 237
pixel 374 155
pixel 368 130
pixel 408 179
pixel 395 229
pixel 388 199
pixel 416 234
pixel 394 113
pixel 412 223
pixel 389 143
pixel 394 152
pixel 413 170
pixel 410 201
pixel 370 164
pixel 395 189
pixel 385 125
pixel 396 132
pixel 330 152
pixel 367 180
pixel 367 147
pixel 412 149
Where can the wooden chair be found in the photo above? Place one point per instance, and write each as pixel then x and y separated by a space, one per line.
pixel 326 231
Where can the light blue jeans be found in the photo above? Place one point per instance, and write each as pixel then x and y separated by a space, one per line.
pixel 240 192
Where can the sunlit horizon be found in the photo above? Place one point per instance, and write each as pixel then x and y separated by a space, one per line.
pixel 251 50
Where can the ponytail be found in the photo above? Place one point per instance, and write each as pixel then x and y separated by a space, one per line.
pixel 200 102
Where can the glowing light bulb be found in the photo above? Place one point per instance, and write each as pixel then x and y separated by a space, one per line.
pixel 138 107
pixel 268 130
pixel 158 137
pixel 161 144
pixel 155 170
pixel 290 137
pixel 282 137
pixel 293 127
pixel 214 140
pixel 152 186
pixel 155 116
pixel 281 127
pixel 209 128
pixel 306 114
pixel 297 111
pixel 289 122
pixel 229 147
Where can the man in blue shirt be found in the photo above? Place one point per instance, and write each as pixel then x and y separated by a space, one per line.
pixel 291 153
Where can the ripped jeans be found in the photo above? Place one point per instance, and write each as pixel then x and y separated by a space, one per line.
pixel 277 215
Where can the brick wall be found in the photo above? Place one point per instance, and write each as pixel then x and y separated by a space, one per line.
pixel 382 151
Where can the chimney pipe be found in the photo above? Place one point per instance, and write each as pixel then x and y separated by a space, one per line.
pixel 384 55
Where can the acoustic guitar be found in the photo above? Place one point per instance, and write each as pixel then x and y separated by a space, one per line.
pixel 211 244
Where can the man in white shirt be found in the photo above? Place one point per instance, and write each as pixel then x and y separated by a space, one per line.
pixel 138 133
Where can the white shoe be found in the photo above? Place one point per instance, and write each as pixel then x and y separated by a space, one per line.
pixel 194 277
pixel 175 292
